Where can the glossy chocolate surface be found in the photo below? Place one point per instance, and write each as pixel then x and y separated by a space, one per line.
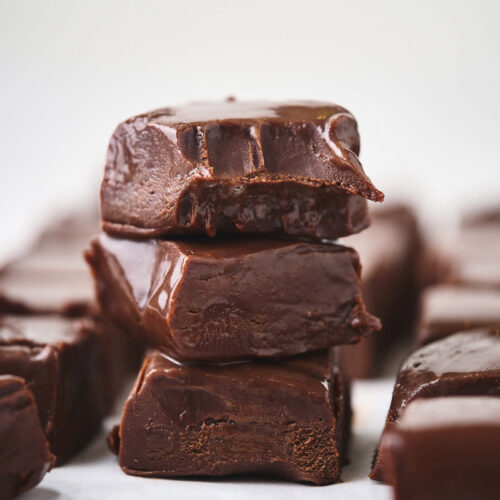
pixel 60 359
pixel 24 451
pixel 228 300
pixel 446 449
pixel 237 167
pixel 463 364
pixel 287 419
pixel 450 309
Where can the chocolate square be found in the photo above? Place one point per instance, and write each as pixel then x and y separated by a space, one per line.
pixel 24 451
pixel 288 419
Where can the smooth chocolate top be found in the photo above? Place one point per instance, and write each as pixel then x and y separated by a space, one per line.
pixel 46 292
pixel 234 139
pixel 461 353
pixel 449 309
pixel 38 330
pixel 451 411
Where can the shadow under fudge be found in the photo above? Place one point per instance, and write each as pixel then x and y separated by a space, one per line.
pixel 237 167
pixel 463 364
pixel 224 300
pixel 287 418
pixel 448 309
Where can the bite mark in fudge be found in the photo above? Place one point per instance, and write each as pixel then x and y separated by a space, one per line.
pixel 463 364
pixel 231 299
pixel 237 167
pixel 288 419
pixel 60 360
pixel 24 452
pixel 450 309
pixel 445 449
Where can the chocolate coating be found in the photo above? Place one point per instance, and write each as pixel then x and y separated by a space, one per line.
pixel 463 364
pixel 449 309
pixel 287 419
pixel 60 360
pixel 237 167
pixel 231 299
pixel 24 451
pixel 446 449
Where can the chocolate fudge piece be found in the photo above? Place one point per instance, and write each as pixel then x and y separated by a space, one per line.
pixel 446 449
pixel 236 167
pixel 60 359
pixel 389 252
pixel 477 254
pixel 288 419
pixel 51 278
pixel 231 299
pixel 46 291
pixel 24 452
pixel 463 364
pixel 450 309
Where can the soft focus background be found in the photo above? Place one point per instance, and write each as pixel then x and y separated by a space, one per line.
pixel 423 79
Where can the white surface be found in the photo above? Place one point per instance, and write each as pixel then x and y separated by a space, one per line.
pixel 95 474
pixel 421 77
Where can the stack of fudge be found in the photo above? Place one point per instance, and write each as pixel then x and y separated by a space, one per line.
pixel 442 435
pixel 218 250
pixel 61 363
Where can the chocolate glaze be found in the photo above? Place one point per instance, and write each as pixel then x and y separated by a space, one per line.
pixel 237 167
pixel 24 453
pixel 231 299
pixel 453 456
pixel 449 309
pixel 286 419
pixel 463 364
pixel 60 360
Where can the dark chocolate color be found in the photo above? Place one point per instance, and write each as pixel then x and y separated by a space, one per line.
pixel 446 449
pixel 287 419
pixel 463 364
pixel 231 299
pixel 60 359
pixel 24 451
pixel 390 252
pixel 450 309
pixel 237 167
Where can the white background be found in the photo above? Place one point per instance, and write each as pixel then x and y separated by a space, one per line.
pixel 423 79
